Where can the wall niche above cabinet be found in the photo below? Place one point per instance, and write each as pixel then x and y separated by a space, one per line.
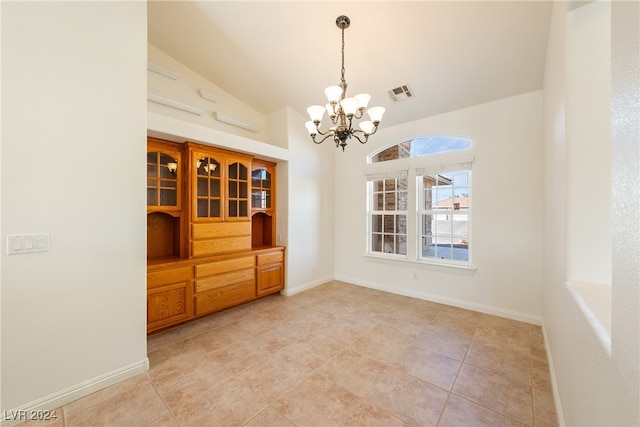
pixel 163 236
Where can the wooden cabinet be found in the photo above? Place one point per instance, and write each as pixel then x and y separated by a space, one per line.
pixel 263 206
pixel 270 272
pixel 220 201
pixel 169 296
pixel 210 231
pixel 165 188
pixel 164 177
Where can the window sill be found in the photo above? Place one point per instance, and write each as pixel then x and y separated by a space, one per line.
pixel 444 268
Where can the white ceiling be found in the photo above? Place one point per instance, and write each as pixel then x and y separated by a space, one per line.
pixel 271 54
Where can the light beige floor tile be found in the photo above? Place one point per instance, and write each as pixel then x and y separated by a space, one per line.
pixel 511 363
pixel 355 372
pixel 414 401
pixel 164 421
pixel 429 366
pixel 312 351
pixel 132 402
pixel 540 376
pixel 186 375
pixel 457 326
pixel 242 354
pixel 510 334
pixel 230 403
pixel 218 337
pixel 460 412
pixel 269 417
pixel 318 401
pixel 443 343
pixel 544 410
pixel 495 392
pixel 273 377
pixel 370 416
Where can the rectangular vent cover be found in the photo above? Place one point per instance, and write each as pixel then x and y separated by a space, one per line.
pixel 401 93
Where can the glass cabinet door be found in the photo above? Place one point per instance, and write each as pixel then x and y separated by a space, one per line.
pixel 208 194
pixel 238 191
pixel 162 180
pixel 260 189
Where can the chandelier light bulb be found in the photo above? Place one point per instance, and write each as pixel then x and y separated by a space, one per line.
pixel 311 127
pixel 375 113
pixel 334 93
pixel 316 112
pixel 349 105
pixel 363 100
pixel 367 127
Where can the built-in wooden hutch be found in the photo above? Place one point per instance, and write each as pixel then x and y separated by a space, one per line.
pixel 210 231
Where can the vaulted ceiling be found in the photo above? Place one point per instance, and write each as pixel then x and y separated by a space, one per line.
pixel 270 54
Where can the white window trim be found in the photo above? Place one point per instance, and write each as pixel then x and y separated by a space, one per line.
pixel 434 163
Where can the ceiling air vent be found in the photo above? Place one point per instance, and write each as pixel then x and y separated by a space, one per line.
pixel 401 93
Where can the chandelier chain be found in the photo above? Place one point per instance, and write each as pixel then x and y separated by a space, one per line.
pixel 342 71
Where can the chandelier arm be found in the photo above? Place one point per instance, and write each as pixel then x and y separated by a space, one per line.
pixel 326 136
pixel 366 137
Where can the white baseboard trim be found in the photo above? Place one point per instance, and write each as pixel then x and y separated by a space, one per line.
pixel 496 311
pixel 68 395
pixel 554 384
pixel 292 290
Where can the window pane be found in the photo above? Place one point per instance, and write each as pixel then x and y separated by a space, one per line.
pixel 389 201
pixel 389 244
pixel 401 244
pixel 401 224
pixel 378 203
pixel 376 224
pixel 403 201
pixel 389 224
pixel 376 242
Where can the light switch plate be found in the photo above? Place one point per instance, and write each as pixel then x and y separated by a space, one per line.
pixel 18 244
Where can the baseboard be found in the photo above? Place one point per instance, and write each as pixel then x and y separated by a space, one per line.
pixel 68 395
pixel 288 291
pixel 496 311
pixel 554 384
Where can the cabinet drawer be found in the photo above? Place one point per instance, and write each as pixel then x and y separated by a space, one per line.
pixel 269 258
pixel 218 267
pixel 220 229
pixel 221 245
pixel 168 276
pixel 224 279
pixel 217 299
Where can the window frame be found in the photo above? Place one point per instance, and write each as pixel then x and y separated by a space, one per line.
pixel 415 167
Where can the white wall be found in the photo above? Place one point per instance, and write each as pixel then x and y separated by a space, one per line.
pixel 507 212
pixel 73 155
pixel 310 232
pixel 588 144
pixel 186 89
pixel 593 386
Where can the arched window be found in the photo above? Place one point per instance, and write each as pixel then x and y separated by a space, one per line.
pixel 419 200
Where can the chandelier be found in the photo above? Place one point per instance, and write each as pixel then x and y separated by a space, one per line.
pixel 343 110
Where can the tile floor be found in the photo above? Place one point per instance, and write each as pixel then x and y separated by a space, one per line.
pixel 335 355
